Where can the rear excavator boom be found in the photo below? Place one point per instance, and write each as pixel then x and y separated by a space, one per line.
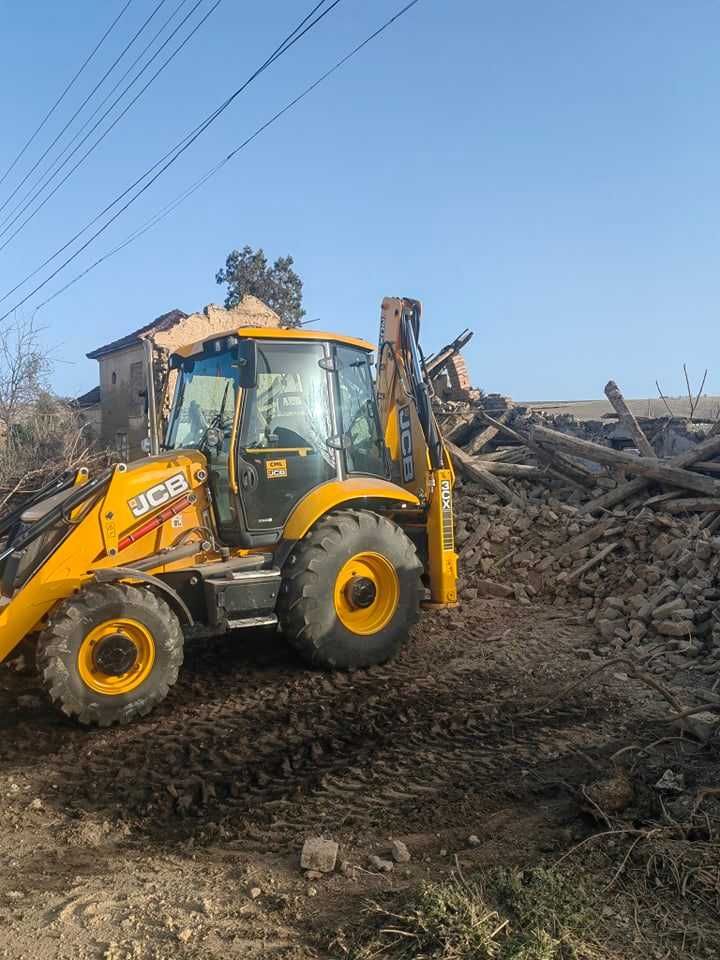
pixel 291 490
pixel 413 437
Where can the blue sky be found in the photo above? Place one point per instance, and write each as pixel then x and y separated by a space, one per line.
pixel 546 174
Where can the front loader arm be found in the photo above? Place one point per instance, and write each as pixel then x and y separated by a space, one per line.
pixel 120 518
pixel 419 456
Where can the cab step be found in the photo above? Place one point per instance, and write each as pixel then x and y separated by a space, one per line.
pixel 243 597
pixel 268 621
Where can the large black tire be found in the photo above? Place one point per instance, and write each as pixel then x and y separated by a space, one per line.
pixel 74 620
pixel 308 605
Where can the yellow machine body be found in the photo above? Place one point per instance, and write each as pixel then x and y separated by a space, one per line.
pixel 272 434
pixel 94 544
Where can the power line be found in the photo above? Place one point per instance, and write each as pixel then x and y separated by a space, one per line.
pixel 87 98
pixel 62 96
pixel 194 187
pixel 166 62
pixel 187 140
pixel 95 112
pixel 174 154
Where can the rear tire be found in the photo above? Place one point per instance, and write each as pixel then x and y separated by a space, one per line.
pixel 351 591
pixel 110 653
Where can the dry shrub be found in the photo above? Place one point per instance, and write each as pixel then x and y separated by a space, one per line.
pixel 48 439
pixel 503 914
pixel 41 435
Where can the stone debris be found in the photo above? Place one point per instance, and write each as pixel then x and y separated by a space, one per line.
pixel 704 726
pixel 635 555
pixel 671 782
pixel 319 854
pixel 608 795
pixel 399 852
pixel 384 866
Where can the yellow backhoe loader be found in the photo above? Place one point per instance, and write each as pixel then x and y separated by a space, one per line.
pixel 292 488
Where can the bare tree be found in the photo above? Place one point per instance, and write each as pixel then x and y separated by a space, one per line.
pixel 694 403
pixel 40 434
pixel 24 370
pixel 692 400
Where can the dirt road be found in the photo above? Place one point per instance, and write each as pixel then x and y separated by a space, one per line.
pixel 179 836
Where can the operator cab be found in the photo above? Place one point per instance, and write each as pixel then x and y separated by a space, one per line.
pixel 276 413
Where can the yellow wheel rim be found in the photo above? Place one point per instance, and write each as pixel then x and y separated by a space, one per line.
pixel 367 593
pixel 116 656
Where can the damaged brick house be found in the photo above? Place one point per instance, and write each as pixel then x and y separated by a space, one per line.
pixel 121 401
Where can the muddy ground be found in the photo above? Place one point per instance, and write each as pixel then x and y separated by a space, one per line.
pixel 180 836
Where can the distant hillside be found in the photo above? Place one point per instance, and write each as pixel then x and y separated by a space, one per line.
pixel 707 408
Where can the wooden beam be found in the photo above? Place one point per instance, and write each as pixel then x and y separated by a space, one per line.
pixel 689 505
pixel 584 539
pixel 475 470
pixel 476 444
pixel 652 469
pixel 627 419
pixel 708 447
pixel 561 467
pixel 592 562
pixel 521 471
pixel 707 466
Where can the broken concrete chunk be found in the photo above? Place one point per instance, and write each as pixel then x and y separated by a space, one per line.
pixel 704 726
pixel 498 533
pixel 616 603
pixel 674 628
pixel 347 869
pixel 400 852
pixel 665 609
pixel 671 782
pixel 612 613
pixel 319 854
pixel 488 588
pixel 703 550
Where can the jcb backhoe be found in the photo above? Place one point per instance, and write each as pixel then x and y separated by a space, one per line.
pixel 291 488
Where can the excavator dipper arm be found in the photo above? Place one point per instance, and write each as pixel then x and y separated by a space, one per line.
pixel 420 459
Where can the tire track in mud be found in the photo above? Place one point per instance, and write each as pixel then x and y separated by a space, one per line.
pixel 276 748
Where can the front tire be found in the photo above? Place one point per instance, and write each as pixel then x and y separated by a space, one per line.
pixel 110 653
pixel 351 591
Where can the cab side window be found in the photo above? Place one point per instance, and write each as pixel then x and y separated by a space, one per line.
pixel 358 411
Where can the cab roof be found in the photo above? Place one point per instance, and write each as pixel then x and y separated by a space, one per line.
pixel 276 333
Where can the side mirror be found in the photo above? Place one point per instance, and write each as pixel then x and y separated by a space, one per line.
pixel 245 361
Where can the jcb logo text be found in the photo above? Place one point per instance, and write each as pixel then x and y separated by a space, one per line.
pixel 158 495
pixel 406 445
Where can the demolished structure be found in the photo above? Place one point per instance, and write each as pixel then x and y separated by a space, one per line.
pixel 619 517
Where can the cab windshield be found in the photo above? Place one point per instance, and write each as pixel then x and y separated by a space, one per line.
pixel 205 400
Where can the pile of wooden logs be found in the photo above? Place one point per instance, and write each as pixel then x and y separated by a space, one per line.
pixel 624 535
pixel 492 450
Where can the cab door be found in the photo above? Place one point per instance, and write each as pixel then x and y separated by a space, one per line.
pixel 285 424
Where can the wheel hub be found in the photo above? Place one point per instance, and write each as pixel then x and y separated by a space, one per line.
pixel 361 593
pixel 367 593
pixel 115 655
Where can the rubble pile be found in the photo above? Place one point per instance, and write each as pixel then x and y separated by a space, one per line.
pixel 618 519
